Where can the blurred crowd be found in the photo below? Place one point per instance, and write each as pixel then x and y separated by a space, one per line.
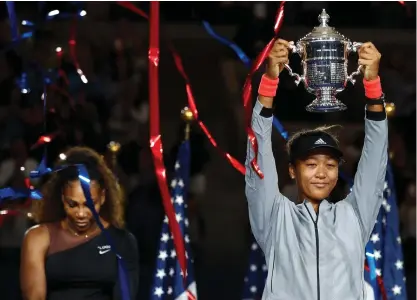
pixel 113 106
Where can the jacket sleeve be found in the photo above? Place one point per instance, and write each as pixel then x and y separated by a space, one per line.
pixel 263 195
pixel 368 187
pixel 129 253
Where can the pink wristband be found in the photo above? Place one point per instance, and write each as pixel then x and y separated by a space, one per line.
pixel 268 87
pixel 373 89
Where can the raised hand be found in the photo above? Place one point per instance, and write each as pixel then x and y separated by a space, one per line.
pixel 277 58
pixel 369 58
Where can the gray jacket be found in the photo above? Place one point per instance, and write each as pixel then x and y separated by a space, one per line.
pixel 315 256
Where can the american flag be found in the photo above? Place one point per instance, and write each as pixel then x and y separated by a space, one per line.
pixel 385 243
pixel 168 280
pixel 256 275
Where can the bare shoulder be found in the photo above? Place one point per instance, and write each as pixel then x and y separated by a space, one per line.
pixel 37 236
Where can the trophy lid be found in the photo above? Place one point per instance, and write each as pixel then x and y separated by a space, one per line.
pixel 324 31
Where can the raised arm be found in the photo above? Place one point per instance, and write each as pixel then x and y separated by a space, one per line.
pixel 32 265
pixel 263 195
pixel 367 191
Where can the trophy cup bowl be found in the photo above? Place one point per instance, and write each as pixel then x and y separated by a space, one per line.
pixel 324 54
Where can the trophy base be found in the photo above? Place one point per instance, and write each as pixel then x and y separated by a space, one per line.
pixel 325 102
pixel 320 107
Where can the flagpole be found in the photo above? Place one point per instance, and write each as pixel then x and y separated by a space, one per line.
pixel 390 111
pixel 187 117
pixel 114 148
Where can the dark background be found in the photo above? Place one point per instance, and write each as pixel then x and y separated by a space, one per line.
pixel 112 52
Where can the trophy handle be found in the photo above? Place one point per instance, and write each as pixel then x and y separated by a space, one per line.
pixel 298 77
pixel 353 47
pixel 357 72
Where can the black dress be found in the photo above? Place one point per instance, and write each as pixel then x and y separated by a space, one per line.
pixel 86 268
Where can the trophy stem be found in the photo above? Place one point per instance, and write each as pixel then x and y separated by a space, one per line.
pixel 326 101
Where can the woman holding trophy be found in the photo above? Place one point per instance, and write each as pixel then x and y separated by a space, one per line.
pixel 315 249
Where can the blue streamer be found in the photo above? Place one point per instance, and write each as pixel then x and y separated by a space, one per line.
pixel 280 128
pixel 56 14
pixel 14 29
pixel 242 55
pixel 27 23
pixel 85 184
pixel 23 83
pixel 13 194
pixel 369 251
pixel 247 62
pixel 26 35
pixel 41 170
pixel 13 21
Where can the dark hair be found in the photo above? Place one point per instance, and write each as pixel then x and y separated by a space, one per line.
pixel 304 132
pixel 51 209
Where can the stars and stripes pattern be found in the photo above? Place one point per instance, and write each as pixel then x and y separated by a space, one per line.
pixel 385 241
pixel 169 283
pixel 256 274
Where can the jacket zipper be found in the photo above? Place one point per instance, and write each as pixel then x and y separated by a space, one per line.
pixel 317 258
pixel 316 232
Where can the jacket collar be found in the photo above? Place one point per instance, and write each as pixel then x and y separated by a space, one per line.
pixel 323 206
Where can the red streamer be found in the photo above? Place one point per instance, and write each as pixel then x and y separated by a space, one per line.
pixel 61 72
pixel 72 42
pixel 6 213
pixel 59 53
pixel 247 88
pixel 72 49
pixel 155 135
pixel 44 139
pixel 380 284
pixel 190 97
pixel 193 107
pixel 133 8
pixel 407 8
pixel 64 76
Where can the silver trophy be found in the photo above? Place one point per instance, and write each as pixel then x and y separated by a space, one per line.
pixel 324 54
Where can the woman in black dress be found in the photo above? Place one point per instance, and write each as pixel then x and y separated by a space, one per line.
pixel 67 256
